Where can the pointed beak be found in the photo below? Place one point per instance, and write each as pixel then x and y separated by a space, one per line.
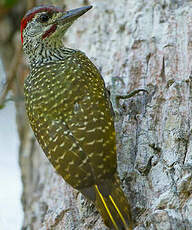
pixel 72 15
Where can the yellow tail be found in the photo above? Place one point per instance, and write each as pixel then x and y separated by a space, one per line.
pixel 113 205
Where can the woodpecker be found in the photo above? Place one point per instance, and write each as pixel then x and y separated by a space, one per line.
pixel 70 112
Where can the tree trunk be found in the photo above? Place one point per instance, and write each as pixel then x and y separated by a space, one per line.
pixel 135 44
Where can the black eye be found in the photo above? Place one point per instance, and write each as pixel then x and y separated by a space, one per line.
pixel 44 18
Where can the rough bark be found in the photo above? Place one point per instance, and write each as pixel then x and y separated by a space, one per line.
pixel 135 44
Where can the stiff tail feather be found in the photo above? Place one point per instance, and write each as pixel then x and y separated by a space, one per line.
pixel 112 204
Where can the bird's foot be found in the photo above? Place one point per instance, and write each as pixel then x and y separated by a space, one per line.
pixel 129 95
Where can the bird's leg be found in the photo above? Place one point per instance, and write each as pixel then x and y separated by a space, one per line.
pixel 129 95
pixel 117 97
pixel 116 100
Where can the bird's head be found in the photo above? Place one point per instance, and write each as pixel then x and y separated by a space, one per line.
pixel 46 25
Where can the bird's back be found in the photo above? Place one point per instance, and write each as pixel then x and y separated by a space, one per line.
pixel 71 115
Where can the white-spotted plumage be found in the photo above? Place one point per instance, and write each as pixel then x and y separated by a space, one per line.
pixel 70 112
